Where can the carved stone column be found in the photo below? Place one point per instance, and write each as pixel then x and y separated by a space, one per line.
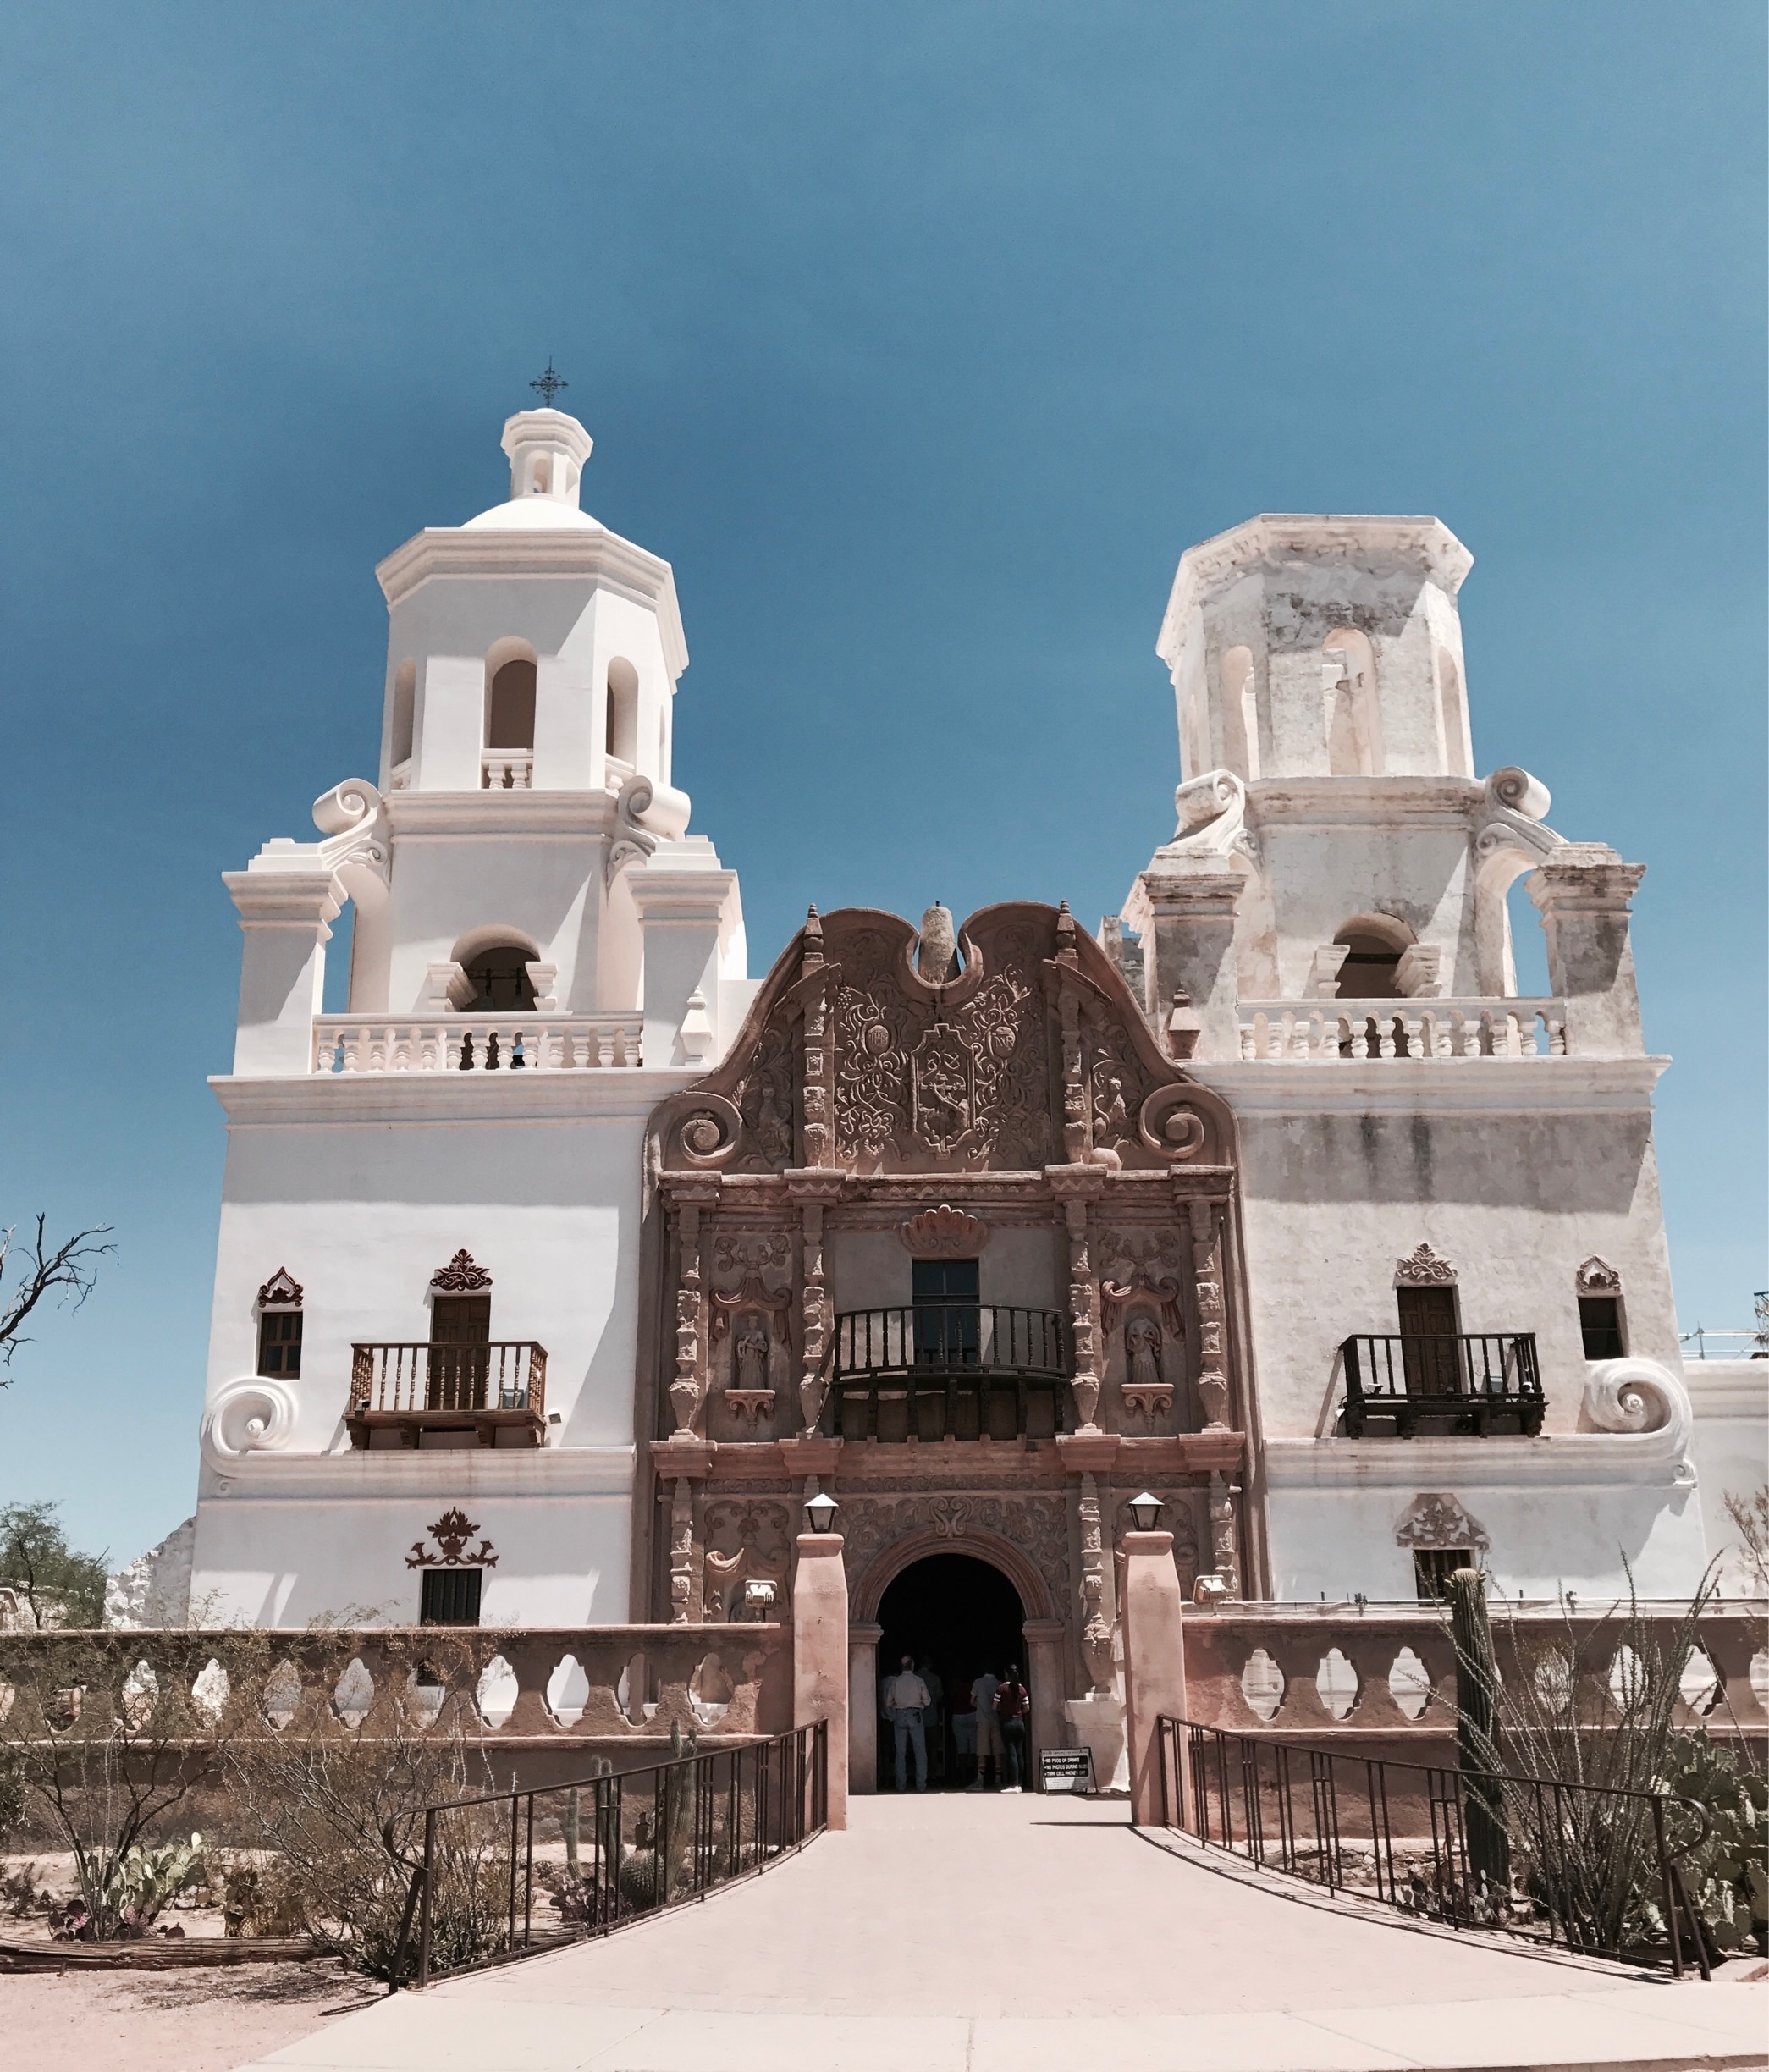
pixel 819 1131
pixel 685 1389
pixel 1225 1533
pixel 1212 1386
pixel 813 1191
pixel 1099 1592
pixel 683 1564
pixel 1074 1187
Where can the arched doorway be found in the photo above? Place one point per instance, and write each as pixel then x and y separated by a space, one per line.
pixel 961 1616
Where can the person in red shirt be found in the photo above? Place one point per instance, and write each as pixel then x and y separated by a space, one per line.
pixel 1011 1704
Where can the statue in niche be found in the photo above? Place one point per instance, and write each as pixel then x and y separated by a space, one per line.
pixel 751 1347
pixel 1144 1391
pixel 1142 1352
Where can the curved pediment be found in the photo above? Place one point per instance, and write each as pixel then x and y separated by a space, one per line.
pixel 1033 1054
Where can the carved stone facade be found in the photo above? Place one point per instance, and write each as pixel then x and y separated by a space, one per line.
pixel 990 1094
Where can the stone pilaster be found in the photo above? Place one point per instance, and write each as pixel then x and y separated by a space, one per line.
pixel 1191 945
pixel 1074 1187
pixel 819 1131
pixel 685 1389
pixel 1583 891
pixel 1225 1533
pixel 813 1191
pixel 1213 1383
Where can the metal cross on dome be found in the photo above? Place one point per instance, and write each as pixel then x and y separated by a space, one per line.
pixel 549 384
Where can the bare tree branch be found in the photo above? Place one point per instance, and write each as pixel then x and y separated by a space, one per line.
pixel 72 1268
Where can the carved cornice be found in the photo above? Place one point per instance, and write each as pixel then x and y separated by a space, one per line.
pixel 1423 1268
pixel 1435 1520
pixel 462 1276
pixel 943 1232
pixel 451 1533
pixel 284 1291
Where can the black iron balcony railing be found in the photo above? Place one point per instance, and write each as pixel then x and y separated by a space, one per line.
pixel 496 1390
pixel 1469 1382
pixel 935 1370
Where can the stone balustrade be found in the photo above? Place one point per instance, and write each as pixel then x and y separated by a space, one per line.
pixel 1389 1672
pixel 476 1042
pixel 529 1690
pixel 506 769
pixel 1331 1031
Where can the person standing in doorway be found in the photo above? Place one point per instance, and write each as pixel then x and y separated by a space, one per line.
pixel 1011 1704
pixel 906 1701
pixel 989 1728
pixel 934 1726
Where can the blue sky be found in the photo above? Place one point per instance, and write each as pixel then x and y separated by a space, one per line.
pixel 921 340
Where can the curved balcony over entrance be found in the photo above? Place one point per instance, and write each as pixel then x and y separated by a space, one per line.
pixel 948 1370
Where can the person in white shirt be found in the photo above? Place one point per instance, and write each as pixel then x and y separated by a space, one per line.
pixel 906 1701
pixel 989 1728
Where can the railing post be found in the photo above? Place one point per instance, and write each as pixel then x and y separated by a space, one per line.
pixel 423 1932
pixel 1155 1662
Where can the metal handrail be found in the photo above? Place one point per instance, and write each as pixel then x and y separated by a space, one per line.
pixel 409 1377
pixel 786 1796
pixel 1468 1375
pixel 1453 1895
pixel 936 1337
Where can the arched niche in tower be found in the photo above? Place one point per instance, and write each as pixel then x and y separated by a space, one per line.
pixel 1350 713
pixel 1241 712
pixel 510 679
pixel 1373 944
pixel 496 961
pixel 1452 716
pixel 621 712
pixel 402 724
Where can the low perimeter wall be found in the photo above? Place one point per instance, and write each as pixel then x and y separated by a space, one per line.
pixel 543 1701
pixel 1382 1680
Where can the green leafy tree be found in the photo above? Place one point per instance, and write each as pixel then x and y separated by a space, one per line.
pixel 62 1586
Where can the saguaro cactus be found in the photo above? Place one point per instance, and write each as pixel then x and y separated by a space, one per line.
pixel 1477 1684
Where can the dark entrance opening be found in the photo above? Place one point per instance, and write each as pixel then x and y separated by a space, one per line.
pixel 962 1617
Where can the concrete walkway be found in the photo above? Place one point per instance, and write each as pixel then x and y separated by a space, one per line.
pixel 985 1934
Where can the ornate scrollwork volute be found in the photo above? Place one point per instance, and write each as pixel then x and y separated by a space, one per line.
pixel 1169 1123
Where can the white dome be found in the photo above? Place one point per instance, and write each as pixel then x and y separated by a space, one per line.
pixel 534 513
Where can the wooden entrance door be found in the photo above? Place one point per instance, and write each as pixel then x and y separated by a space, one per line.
pixel 460 1330
pixel 1430 1355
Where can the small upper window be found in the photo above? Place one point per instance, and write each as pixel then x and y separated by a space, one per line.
pixel 1600 1324
pixel 279 1327
pixel 450 1596
pixel 1432 1569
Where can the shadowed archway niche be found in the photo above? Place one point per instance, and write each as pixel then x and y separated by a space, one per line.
pixel 866 1592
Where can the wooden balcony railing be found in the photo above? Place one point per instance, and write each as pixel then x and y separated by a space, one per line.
pixel 498 1391
pixel 1469 1382
pixel 957 1370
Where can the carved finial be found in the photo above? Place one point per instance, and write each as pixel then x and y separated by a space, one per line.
pixel 811 959
pixel 937 957
pixel 1065 935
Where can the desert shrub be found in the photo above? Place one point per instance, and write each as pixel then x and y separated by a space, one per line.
pixel 335 1822
pixel 106 1748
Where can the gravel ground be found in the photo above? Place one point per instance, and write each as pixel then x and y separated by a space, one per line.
pixel 168 2021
